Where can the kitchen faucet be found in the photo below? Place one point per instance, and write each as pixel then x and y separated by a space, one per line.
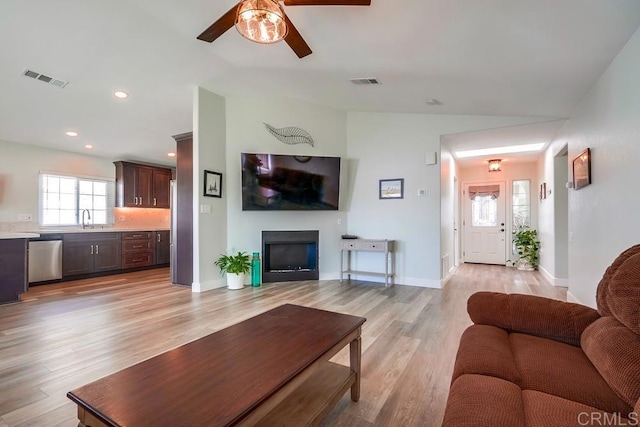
pixel 88 217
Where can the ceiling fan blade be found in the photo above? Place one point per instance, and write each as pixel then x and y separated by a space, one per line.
pixel 219 27
pixel 327 2
pixel 295 40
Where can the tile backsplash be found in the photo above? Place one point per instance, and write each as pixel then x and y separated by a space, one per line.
pixel 142 218
pixel 124 218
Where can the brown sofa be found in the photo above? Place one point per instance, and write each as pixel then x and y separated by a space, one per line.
pixel 533 361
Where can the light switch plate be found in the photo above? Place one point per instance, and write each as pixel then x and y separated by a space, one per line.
pixel 205 209
pixel 25 217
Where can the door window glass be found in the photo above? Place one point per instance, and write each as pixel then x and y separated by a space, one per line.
pixel 484 211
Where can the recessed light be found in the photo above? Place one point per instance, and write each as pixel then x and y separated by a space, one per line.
pixel 171 154
pixel 120 94
pixel 71 133
pixel 500 150
pixel 88 146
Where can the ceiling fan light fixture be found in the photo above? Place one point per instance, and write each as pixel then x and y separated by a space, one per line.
pixel 261 21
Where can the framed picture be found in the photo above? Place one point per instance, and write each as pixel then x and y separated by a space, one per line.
pixel 212 184
pixel 391 188
pixel 582 170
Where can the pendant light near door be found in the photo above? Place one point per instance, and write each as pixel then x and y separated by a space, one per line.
pixel 495 165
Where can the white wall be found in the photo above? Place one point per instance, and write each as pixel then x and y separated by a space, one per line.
pixel 210 228
pixel 246 133
pixel 448 172
pixel 20 165
pixel 384 146
pixel 603 217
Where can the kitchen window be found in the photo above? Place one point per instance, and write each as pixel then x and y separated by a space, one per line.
pixel 63 199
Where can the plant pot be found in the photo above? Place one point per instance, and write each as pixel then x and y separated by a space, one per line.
pixel 235 281
pixel 524 265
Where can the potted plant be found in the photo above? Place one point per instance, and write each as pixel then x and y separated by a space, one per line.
pixel 527 246
pixel 235 267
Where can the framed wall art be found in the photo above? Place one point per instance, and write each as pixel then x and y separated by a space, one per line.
pixel 582 170
pixel 391 188
pixel 212 184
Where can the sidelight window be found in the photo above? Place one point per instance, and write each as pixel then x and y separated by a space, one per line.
pixel 64 198
pixel 521 215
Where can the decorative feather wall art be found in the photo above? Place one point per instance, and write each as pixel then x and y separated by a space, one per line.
pixel 290 135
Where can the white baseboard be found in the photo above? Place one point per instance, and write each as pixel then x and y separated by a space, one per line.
pixel 555 281
pixel 402 281
pixel 208 286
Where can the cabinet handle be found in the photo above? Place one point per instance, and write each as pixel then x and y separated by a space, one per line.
pixel 135 200
pixel 140 201
pixel 137 246
pixel 154 201
pixel 158 237
pixel 97 249
pixel 138 260
pixel 91 249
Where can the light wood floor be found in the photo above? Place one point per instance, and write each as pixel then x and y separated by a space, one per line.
pixel 65 335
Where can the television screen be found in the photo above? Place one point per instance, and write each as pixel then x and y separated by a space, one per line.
pixel 286 182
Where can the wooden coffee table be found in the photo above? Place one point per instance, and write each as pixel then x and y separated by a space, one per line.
pixel 272 368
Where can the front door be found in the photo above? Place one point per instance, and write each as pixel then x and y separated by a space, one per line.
pixel 484 224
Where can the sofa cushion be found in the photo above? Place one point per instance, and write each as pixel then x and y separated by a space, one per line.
pixel 603 286
pixel 481 401
pixel 544 317
pixel 623 293
pixel 564 371
pixel 615 352
pixel 486 350
pixel 546 410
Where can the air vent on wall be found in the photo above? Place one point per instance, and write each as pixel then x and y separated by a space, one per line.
pixel 43 78
pixel 366 81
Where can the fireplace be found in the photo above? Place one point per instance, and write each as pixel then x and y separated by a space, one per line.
pixel 289 255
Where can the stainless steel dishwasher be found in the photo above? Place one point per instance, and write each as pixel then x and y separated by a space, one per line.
pixel 45 258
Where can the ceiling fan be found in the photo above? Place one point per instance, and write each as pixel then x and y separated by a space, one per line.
pixel 264 21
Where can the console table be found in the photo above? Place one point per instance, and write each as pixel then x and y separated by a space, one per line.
pixel 383 246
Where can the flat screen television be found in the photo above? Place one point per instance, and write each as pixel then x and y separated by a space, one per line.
pixel 286 182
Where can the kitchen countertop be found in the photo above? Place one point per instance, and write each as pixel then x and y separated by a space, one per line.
pixel 95 230
pixel 4 236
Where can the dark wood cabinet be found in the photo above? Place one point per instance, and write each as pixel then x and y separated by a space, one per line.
pixel 85 253
pixel 13 269
pixel 142 186
pixel 138 249
pixel 161 188
pixel 163 249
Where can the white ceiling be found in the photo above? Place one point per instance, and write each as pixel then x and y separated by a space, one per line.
pixel 491 57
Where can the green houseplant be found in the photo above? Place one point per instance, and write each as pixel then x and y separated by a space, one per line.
pixel 235 267
pixel 527 246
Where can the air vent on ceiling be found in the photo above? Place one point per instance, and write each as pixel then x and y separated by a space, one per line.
pixel 43 78
pixel 366 81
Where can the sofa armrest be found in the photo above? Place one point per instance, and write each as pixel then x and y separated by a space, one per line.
pixel 543 317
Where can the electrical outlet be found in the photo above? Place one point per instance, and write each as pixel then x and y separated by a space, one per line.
pixel 339 221
pixel 25 217
pixel 422 192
